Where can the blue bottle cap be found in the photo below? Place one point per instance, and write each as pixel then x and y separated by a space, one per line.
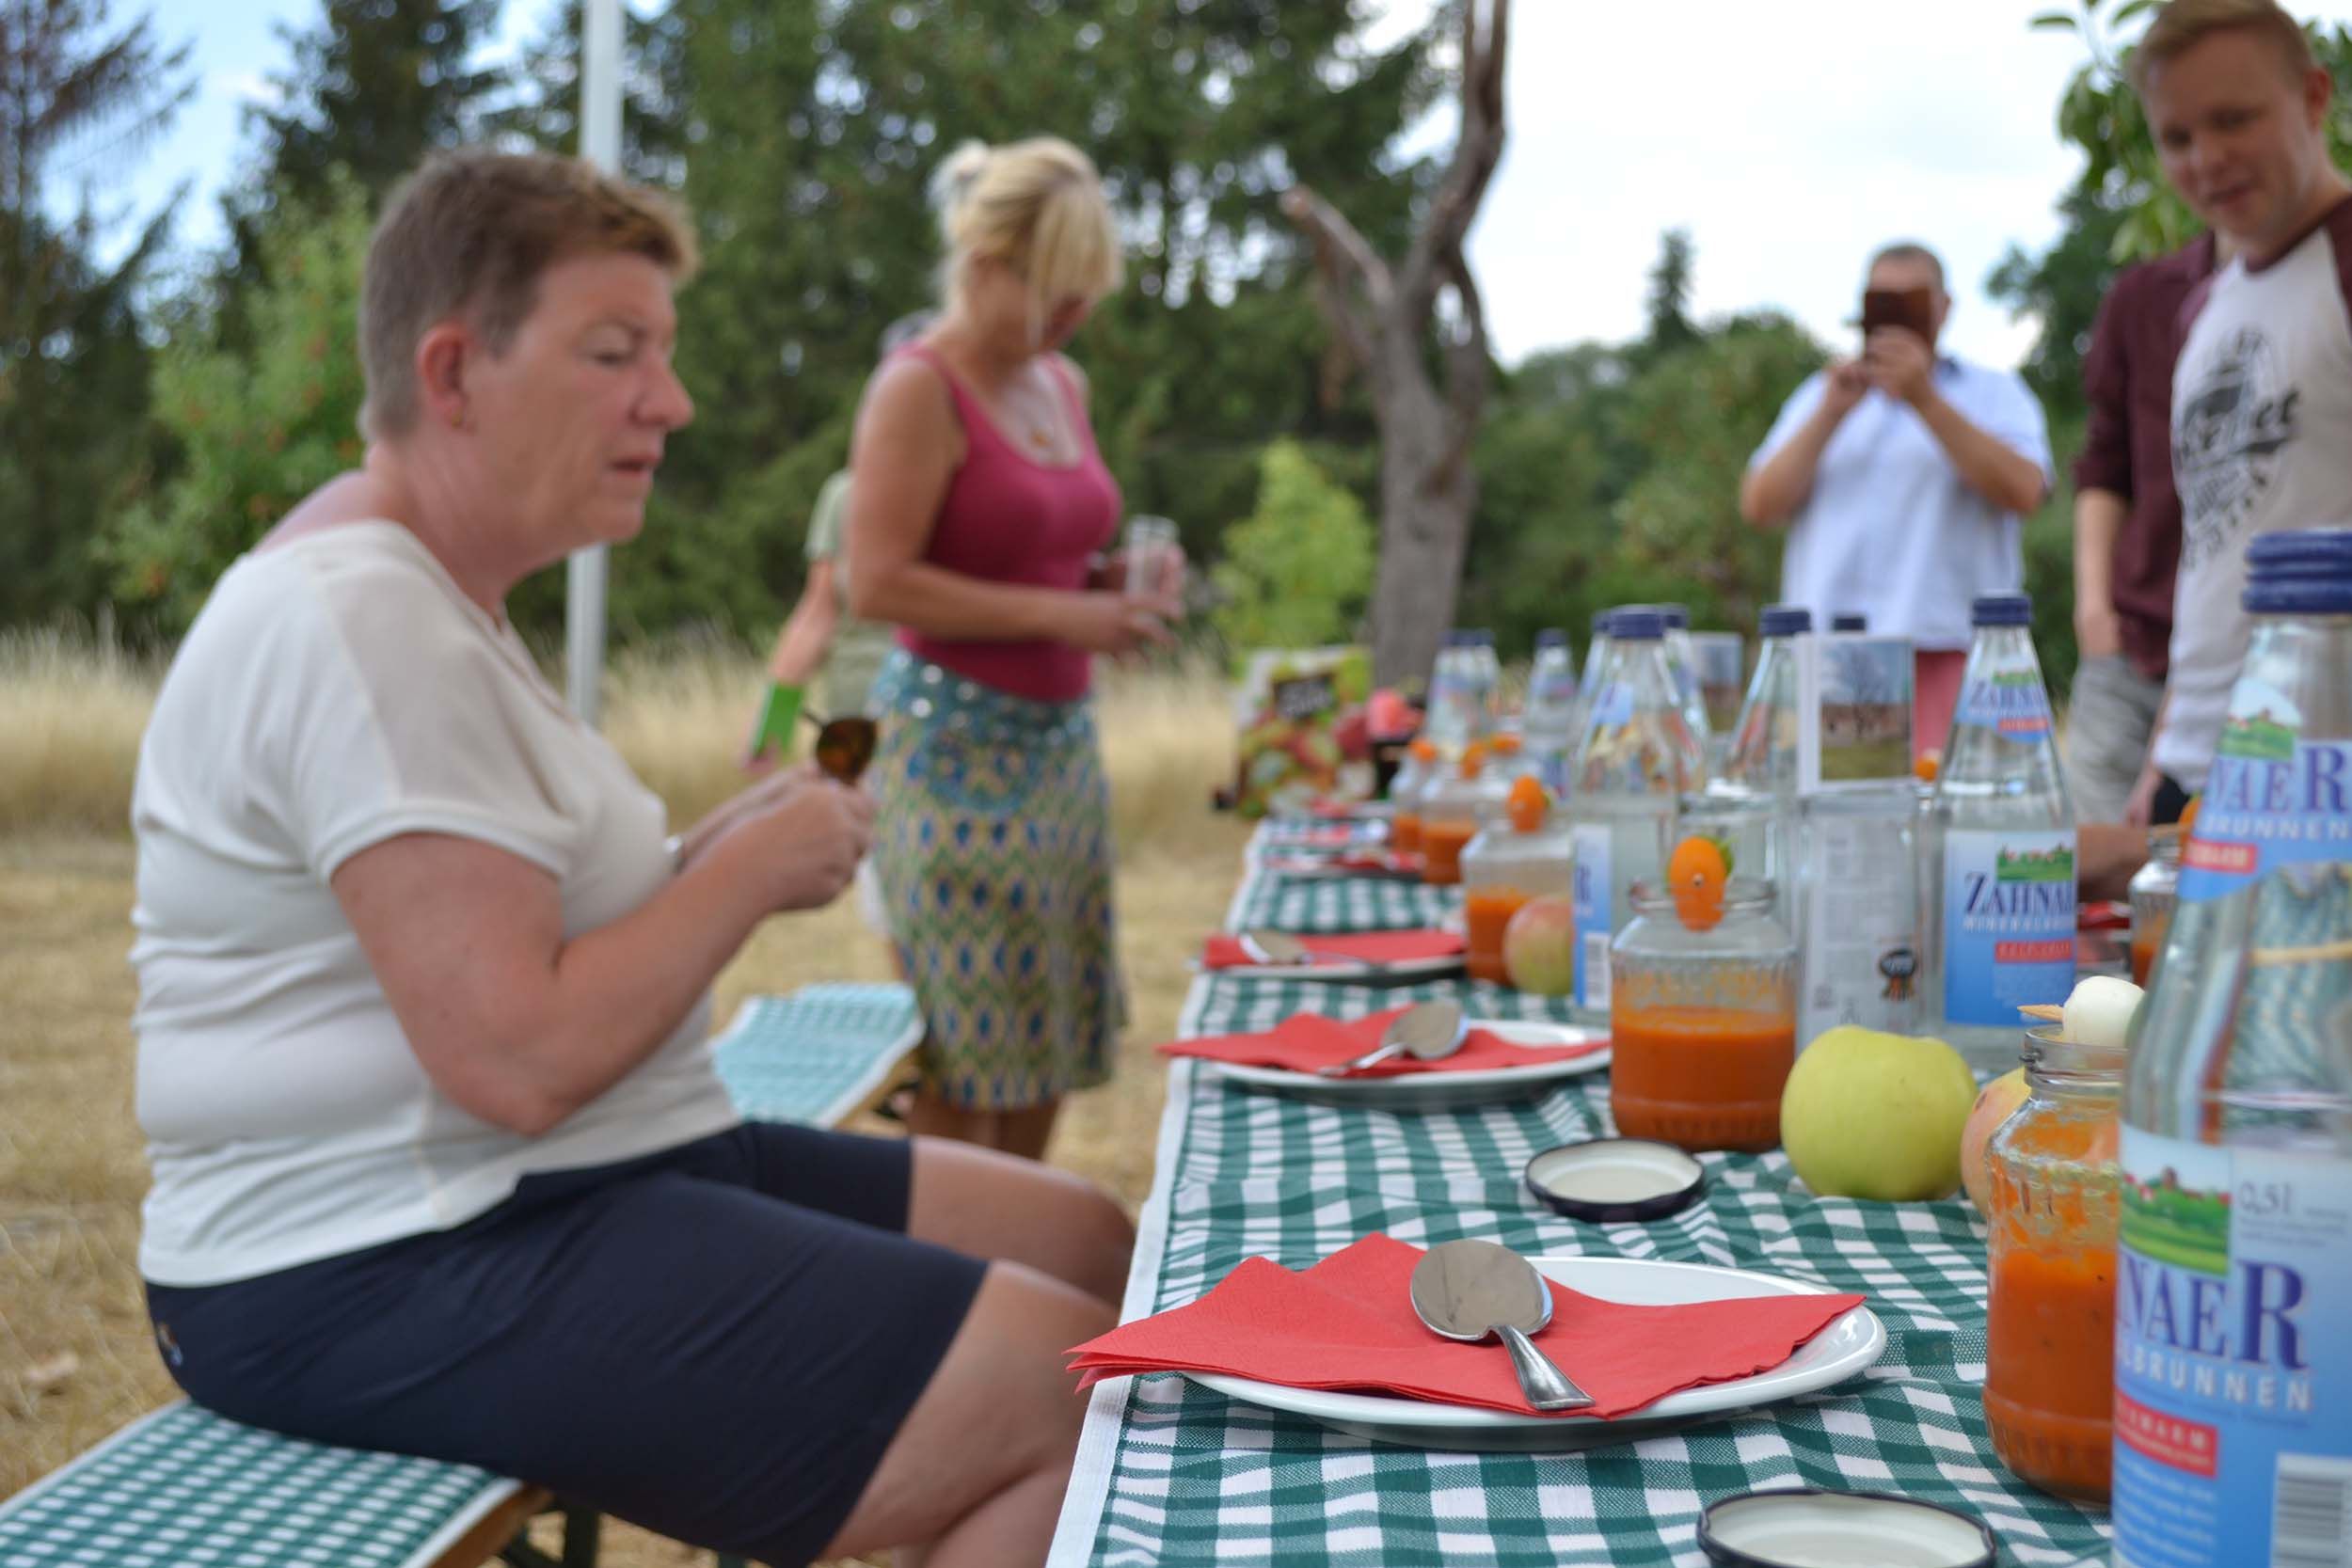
pixel 1677 616
pixel 1850 619
pixel 1787 619
pixel 2003 609
pixel 2301 571
pixel 1637 625
pixel 1600 621
pixel 1552 637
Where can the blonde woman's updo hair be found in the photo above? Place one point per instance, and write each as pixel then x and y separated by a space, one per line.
pixel 1037 205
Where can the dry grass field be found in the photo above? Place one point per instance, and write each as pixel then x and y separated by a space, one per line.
pixel 75 1360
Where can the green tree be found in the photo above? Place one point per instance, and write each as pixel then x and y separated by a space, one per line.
pixel 1670 327
pixel 257 428
pixel 812 132
pixel 76 96
pixel 375 85
pixel 2060 289
pixel 545 109
pixel 1295 570
pixel 1700 413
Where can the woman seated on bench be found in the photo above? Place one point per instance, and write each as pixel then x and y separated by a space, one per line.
pixel 441 1163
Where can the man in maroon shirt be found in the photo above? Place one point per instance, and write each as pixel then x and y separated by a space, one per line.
pixel 2127 529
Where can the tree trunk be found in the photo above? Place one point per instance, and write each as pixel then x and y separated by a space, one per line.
pixel 1424 532
pixel 1384 321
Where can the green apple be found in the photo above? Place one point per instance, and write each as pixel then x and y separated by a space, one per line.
pixel 1877 1116
pixel 1539 947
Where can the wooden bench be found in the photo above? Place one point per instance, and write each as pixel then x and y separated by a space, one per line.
pixel 184 1488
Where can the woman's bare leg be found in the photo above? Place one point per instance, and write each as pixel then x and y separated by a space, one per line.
pixel 975 1477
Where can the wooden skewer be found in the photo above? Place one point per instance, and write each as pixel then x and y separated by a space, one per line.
pixel 2044 1011
pixel 2262 958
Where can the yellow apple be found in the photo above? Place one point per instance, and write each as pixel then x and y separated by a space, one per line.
pixel 1994 1106
pixel 1877 1116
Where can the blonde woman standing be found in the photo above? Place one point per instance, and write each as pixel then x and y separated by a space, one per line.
pixel 981 517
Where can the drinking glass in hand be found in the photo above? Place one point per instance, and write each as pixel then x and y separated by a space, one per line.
pixel 1154 563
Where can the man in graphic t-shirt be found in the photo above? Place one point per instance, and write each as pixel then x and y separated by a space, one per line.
pixel 2262 398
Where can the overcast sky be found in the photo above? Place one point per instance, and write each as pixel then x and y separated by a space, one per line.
pixel 1789 139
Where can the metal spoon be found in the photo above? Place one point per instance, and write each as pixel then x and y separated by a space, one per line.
pixel 1430 1030
pixel 1469 1290
pixel 1265 946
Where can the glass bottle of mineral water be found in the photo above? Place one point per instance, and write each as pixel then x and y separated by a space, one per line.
pixel 2233 1303
pixel 1485 681
pixel 1683 659
pixel 1546 725
pixel 1758 781
pixel 1454 721
pixel 2001 864
pixel 1596 657
pixel 1634 763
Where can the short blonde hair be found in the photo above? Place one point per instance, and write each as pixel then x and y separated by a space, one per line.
pixel 471 232
pixel 1037 205
pixel 2182 24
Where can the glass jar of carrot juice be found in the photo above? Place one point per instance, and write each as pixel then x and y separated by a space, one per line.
pixel 1453 810
pixel 1701 1014
pixel 1412 781
pixel 1523 857
pixel 2049 1385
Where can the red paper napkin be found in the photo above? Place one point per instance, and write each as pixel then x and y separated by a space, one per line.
pixel 1348 1323
pixel 1307 1041
pixel 1225 952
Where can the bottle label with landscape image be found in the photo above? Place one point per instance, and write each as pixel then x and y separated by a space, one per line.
pixel 2010 703
pixel 2272 798
pixel 2009 923
pixel 1595 926
pixel 2233 1369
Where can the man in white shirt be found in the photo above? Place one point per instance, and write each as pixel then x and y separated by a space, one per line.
pixel 2262 396
pixel 1901 477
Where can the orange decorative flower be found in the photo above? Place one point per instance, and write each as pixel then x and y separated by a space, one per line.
pixel 1697 873
pixel 2188 816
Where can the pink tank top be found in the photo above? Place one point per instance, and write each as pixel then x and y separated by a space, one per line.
pixel 1009 519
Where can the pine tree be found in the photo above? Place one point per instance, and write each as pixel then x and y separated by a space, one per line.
pixel 76 96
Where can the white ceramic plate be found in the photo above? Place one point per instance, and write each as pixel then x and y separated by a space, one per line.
pixel 1437 1091
pixel 1350 971
pixel 1850 1344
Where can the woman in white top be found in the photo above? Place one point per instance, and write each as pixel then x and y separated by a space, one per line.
pixel 441 1165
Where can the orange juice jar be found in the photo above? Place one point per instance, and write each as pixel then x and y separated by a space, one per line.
pixel 1702 1020
pixel 1452 810
pixel 2155 888
pixel 2049 1383
pixel 1413 783
pixel 1521 858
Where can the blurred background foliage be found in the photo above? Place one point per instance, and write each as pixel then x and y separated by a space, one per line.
pixel 159 411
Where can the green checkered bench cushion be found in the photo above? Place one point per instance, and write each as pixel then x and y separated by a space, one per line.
pixel 184 1488
pixel 817 1055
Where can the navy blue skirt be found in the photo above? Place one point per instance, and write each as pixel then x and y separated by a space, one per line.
pixel 716 1342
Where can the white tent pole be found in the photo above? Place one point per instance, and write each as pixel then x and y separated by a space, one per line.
pixel 600 144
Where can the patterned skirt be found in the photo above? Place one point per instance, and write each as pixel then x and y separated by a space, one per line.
pixel 993 847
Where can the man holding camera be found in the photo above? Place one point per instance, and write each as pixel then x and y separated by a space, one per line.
pixel 1903 476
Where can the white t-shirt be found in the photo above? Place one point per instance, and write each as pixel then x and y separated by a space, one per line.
pixel 336 691
pixel 1890 527
pixel 2262 439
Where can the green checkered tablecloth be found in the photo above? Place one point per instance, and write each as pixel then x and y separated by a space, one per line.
pixel 1289 903
pixel 814 1057
pixel 1168 1472
pixel 212 1492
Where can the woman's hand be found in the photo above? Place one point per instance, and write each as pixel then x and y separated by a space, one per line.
pixel 802 836
pixel 1107 623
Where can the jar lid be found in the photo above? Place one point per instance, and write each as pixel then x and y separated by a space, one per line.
pixel 1808 1527
pixel 1616 1181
